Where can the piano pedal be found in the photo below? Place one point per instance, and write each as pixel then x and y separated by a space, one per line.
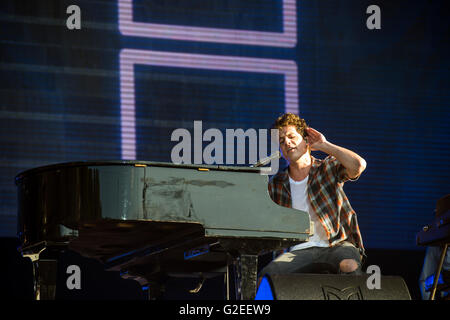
pixel 199 286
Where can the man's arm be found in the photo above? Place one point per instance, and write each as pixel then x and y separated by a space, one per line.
pixel 353 163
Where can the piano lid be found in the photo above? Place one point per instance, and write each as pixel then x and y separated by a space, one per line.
pixel 135 163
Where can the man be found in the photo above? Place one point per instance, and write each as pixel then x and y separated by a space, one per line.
pixel 316 186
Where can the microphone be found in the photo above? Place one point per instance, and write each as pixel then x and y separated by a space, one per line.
pixel 264 161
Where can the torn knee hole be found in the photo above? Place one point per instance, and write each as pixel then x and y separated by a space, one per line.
pixel 348 265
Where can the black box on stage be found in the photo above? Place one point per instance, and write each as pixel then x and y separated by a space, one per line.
pixel 336 287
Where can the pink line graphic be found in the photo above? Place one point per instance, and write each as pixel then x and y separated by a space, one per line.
pixel 130 57
pixel 287 38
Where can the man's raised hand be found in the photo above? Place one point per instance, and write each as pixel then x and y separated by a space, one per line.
pixel 315 139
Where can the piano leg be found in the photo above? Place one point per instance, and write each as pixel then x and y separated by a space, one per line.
pixel 45 268
pixel 227 281
pixel 244 255
pixel 155 290
pixel 247 275
pixel 44 272
pixel 44 277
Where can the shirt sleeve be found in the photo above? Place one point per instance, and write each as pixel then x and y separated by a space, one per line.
pixel 338 169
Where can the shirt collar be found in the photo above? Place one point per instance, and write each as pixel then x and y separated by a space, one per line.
pixel 283 176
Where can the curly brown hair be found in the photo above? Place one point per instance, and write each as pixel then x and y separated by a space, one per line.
pixel 290 119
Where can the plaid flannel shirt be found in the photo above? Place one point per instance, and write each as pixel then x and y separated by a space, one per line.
pixel 327 198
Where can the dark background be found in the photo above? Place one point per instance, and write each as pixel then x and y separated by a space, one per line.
pixel 382 93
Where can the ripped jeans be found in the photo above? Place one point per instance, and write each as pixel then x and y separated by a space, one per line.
pixel 314 260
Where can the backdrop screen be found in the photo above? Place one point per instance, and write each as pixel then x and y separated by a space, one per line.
pixel 135 71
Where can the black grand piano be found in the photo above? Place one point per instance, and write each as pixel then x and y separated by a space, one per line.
pixel 151 219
